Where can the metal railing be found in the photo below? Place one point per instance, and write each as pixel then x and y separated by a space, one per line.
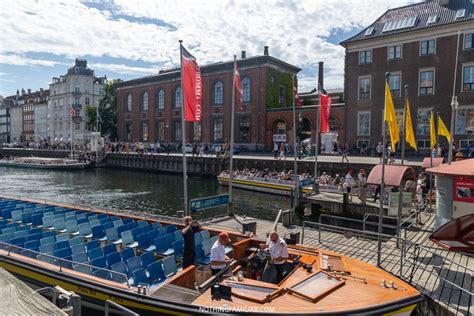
pixel 444 280
pixel 121 308
pixel 64 263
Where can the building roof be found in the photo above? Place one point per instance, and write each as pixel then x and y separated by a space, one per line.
pixel 393 176
pixel 172 74
pixel 457 168
pixel 432 162
pixel 415 17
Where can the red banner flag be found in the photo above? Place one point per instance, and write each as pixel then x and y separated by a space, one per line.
pixel 297 98
pixel 192 86
pixel 325 111
pixel 238 87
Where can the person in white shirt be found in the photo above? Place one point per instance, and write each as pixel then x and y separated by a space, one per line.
pixel 362 186
pixel 278 250
pixel 218 258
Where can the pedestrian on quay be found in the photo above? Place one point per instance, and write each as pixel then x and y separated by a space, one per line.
pixel 379 150
pixel 344 154
pixel 282 151
pixel 190 228
pixel 348 181
pixel 275 150
pixel 362 186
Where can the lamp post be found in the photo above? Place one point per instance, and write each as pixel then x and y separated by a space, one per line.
pixel 454 108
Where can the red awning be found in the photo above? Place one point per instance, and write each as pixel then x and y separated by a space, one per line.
pixel 394 175
pixel 436 162
pixel 456 168
pixel 456 235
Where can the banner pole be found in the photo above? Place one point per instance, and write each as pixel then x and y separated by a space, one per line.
pixel 183 134
pixel 454 104
pixel 318 118
pixel 295 167
pixel 400 189
pixel 231 153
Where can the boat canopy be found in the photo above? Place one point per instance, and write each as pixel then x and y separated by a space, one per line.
pixel 427 163
pixel 394 175
pixel 456 235
pixel 456 168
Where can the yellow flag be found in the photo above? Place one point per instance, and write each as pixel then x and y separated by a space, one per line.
pixel 391 118
pixel 442 130
pixel 409 135
pixel 432 131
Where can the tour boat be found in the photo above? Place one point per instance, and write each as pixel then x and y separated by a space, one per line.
pixel 136 262
pixel 44 163
pixel 267 185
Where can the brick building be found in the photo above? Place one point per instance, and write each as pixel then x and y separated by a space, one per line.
pixel 417 45
pixel 149 108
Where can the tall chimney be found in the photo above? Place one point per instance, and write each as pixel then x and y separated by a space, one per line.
pixel 321 74
pixel 244 55
pixel 265 50
pixel 29 91
pixel 23 91
pixel 17 92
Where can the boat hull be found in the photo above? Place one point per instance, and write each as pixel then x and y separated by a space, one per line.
pixel 75 166
pixel 260 186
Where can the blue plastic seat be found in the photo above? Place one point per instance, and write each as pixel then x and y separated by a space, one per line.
pixel 21 233
pixel 92 244
pixel 162 248
pixel 127 240
pixel 108 249
pixel 156 225
pixel 76 249
pixel 206 246
pixel 162 231
pixel 32 245
pixel 134 263
pixel 72 228
pixel 114 218
pixel 127 253
pixel 60 225
pixel 62 244
pixel 127 220
pixel 136 231
pixel 80 257
pixel 99 262
pixel 112 236
pixel 139 277
pixel 37 220
pixel 121 229
pixel 117 222
pixel 79 240
pixel 82 221
pixel 120 267
pixel 170 228
pixel 178 248
pixel 85 230
pixel 169 266
pixel 169 239
pixel 95 253
pixel 17 216
pixel 205 234
pixel 103 274
pixel 153 234
pixel 113 258
pixel 156 272
pixel 45 258
pixel 82 268
pixel 142 223
pixel 201 258
pixel 62 237
pixel 94 222
pixel 197 238
pixel 147 258
pixel 131 225
pixel 48 240
pixel 144 243
pixel 64 253
pixel 98 232
pixel 178 235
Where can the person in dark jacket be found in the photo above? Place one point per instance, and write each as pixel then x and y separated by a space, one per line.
pixel 190 228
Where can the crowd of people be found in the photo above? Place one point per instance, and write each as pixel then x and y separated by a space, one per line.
pixel 267 175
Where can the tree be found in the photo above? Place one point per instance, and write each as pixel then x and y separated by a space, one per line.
pixel 107 111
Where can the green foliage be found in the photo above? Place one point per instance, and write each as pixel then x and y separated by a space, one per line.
pixel 276 79
pixel 107 111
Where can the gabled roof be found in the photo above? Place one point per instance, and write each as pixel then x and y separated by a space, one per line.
pixel 421 12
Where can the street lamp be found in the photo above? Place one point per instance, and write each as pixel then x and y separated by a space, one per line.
pixel 454 108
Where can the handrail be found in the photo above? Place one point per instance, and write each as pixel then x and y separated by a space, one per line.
pixel 118 306
pixel 60 260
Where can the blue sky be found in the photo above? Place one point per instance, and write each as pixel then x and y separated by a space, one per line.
pixel 128 39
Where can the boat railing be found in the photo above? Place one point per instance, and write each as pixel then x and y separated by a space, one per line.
pixel 62 263
pixel 122 309
pixel 431 270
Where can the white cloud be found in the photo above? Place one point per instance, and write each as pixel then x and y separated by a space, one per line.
pixel 123 69
pixel 296 31
pixel 18 60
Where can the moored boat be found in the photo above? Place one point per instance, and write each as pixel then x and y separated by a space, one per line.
pixel 44 163
pixel 103 255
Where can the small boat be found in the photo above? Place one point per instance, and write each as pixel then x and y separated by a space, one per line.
pixel 269 185
pixel 44 163
pixel 136 262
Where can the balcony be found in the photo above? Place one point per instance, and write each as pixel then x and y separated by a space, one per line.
pixel 76 106
pixel 76 93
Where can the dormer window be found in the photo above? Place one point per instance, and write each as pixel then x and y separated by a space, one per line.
pixel 369 31
pixel 460 13
pixel 432 19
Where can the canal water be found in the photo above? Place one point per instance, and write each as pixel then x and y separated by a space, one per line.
pixel 132 190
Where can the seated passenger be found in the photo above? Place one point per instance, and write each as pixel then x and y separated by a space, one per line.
pixel 218 258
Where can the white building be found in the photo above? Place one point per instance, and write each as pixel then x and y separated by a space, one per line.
pixel 16 123
pixel 70 94
pixel 41 116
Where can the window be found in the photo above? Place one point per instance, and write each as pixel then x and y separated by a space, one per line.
pixel 76 102
pixel 281 128
pixel 365 57
pixel 426 82
pixel 144 131
pixel 423 143
pixel 399 24
pixel 218 93
pixel 468 78
pixel 423 122
pixel 246 90
pixel 129 103
pixel 177 131
pixel 469 41
pixel 161 100
pixel 363 123
pixel 432 19
pixel 282 96
pixel 244 129
pixel 363 143
pixel 369 31
pixel 128 132
pixel 218 127
pixel 460 13
pixel 394 83
pixel 161 131
pixel 87 101
pixel 197 127
pixel 395 52
pixel 178 102
pixel 76 90
pixel 145 101
pixel 427 47
pixel 465 120
pixel 364 88
pixel 463 143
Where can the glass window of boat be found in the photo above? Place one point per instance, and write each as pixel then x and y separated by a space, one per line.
pixel 316 285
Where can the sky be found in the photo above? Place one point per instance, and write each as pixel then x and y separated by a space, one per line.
pixel 128 39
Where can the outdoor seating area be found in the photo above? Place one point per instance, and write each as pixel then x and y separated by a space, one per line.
pixel 105 246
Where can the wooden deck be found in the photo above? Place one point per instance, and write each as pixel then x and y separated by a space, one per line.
pixel 433 270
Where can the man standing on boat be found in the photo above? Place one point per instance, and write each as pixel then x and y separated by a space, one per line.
pixel 278 250
pixel 190 228
pixel 218 258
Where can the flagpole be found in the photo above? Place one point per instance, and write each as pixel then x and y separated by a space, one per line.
pixel 454 104
pixel 183 134
pixel 431 152
pixel 400 190
pixel 296 193
pixel 318 118
pixel 382 180
pixel 70 130
pixel 231 154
